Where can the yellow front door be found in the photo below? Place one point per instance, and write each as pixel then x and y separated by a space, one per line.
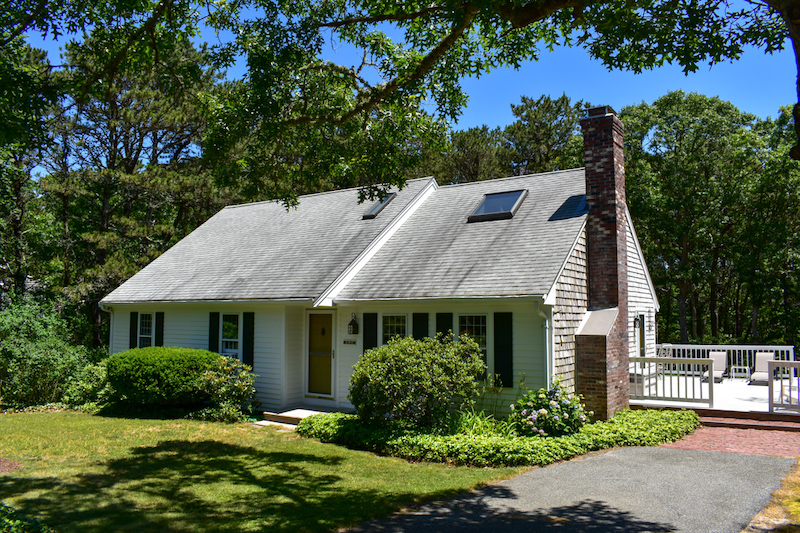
pixel 320 353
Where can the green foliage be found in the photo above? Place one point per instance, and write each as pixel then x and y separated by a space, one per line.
pixel 12 521
pixel 89 386
pixel 159 376
pixel 416 381
pixel 226 412
pixel 477 423
pixel 37 361
pixel 115 205
pixel 713 194
pixel 474 154
pixel 229 381
pixel 627 428
pixel 546 135
pixel 229 385
pixel 552 411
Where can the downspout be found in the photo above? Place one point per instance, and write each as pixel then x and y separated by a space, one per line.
pixel 546 315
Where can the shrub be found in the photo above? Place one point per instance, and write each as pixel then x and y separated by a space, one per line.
pixel 228 382
pixel 12 521
pixel 415 381
pixel 548 412
pixel 90 386
pixel 627 428
pixel 39 372
pixel 159 375
pixel 37 361
pixel 229 386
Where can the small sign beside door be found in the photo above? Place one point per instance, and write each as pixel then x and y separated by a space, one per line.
pixel 349 341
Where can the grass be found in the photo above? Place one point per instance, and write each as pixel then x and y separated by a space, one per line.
pixel 90 473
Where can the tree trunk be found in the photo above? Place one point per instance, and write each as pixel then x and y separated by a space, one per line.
pixel 682 296
pixel 754 322
pixel 713 308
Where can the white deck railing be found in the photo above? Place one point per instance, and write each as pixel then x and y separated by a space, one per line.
pixel 741 358
pixel 784 389
pixel 675 376
pixel 672 379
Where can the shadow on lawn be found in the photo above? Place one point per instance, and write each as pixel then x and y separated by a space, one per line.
pixel 201 486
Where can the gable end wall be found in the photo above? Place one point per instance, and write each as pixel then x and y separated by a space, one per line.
pixel 640 300
pixel 568 311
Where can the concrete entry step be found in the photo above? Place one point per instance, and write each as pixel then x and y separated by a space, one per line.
pixel 292 417
pixel 295 415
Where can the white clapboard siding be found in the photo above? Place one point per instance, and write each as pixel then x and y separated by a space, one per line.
pixel 529 348
pixel 640 298
pixel 295 357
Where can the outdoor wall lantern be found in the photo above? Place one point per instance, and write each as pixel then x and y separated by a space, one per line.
pixel 352 327
pixel 636 322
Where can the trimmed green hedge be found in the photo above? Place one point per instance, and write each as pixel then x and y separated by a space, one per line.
pixel 160 375
pixel 628 428
pixel 12 521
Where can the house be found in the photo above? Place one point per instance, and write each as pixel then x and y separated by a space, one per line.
pixel 545 271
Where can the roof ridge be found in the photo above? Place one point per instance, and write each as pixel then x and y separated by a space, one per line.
pixel 451 185
pixel 333 191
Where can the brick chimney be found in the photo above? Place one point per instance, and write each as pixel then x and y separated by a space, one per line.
pixel 602 341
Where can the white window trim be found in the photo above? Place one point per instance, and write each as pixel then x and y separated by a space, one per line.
pixel 152 335
pixel 489 337
pixel 380 331
pixel 230 353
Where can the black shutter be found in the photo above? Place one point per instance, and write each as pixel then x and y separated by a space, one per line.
pixel 248 340
pixel 444 323
pixel 370 331
pixel 213 332
pixel 159 341
pixel 419 325
pixel 504 348
pixel 134 338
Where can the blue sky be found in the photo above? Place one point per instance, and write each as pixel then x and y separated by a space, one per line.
pixel 757 83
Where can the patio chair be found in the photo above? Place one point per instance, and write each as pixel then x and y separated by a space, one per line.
pixel 760 375
pixel 720 366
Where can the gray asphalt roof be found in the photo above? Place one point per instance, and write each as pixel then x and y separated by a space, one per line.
pixel 261 251
pixel 437 254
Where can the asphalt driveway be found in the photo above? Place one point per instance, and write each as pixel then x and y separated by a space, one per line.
pixel 622 490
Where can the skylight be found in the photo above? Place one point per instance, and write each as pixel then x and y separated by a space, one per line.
pixel 378 206
pixel 497 206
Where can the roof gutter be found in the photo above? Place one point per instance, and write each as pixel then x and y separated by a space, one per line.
pixel 227 301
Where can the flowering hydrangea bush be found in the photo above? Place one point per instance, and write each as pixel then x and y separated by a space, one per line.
pixel 549 412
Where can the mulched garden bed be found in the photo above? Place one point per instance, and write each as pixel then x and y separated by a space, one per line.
pixel 7 466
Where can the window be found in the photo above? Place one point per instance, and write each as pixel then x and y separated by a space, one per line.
pixel 145 330
pixel 393 325
pixel 230 335
pixel 475 327
pixel 498 206
pixel 378 206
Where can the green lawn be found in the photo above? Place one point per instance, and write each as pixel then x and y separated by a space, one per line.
pixel 90 473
